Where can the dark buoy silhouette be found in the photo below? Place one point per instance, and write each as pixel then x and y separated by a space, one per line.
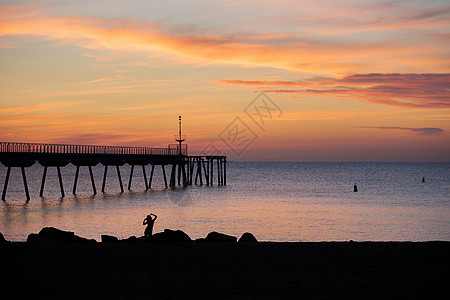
pixel 355 188
pixel 423 179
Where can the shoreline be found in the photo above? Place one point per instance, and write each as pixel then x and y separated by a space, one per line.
pixel 227 270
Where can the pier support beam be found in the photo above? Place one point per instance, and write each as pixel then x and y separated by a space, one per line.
pixel 104 178
pixel 74 190
pixel 225 172
pixel 25 183
pixel 199 172
pixel 131 177
pixel 211 175
pixel 94 190
pixel 145 177
pixel 44 175
pixel 43 181
pixel 173 175
pixel 164 174
pixel 206 170
pixel 183 170
pixel 191 165
pixel 92 180
pixel 120 178
pixel 218 172
pixel 118 175
pixel 5 187
pixel 60 181
pixel 24 177
pixel 151 178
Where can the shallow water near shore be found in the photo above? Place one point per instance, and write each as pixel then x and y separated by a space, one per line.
pixel 276 201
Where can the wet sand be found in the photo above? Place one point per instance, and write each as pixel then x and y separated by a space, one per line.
pixel 267 270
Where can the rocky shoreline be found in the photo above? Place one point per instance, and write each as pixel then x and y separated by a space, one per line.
pixel 49 235
pixel 54 264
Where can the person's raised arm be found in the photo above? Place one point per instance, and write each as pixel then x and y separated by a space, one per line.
pixel 154 216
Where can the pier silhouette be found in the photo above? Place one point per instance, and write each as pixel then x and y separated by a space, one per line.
pixel 24 155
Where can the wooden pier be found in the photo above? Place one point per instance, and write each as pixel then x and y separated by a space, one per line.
pixel 185 170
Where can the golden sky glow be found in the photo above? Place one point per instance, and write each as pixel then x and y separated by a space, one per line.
pixel 353 80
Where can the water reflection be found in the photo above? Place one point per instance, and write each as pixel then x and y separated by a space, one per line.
pixel 310 202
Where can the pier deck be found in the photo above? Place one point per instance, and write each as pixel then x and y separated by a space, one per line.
pixel 25 155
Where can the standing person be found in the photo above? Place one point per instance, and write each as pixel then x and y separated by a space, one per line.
pixel 149 221
pixel 355 188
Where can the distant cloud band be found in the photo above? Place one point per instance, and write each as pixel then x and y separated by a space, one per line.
pixel 428 90
pixel 419 131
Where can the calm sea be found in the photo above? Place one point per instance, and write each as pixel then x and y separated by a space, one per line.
pixel 276 201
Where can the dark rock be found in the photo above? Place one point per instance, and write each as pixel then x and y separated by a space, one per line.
pixel 219 237
pixel 131 239
pixel 40 239
pixel 109 239
pixel 51 235
pixel 2 239
pixel 57 234
pixel 171 236
pixel 248 238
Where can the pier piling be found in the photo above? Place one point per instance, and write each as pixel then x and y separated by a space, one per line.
pixel 74 190
pixel 151 178
pixel 164 173
pixel 24 177
pixel 92 180
pixel 145 177
pixel 120 178
pixel 60 181
pixel 104 178
pixel 43 181
pixel 131 177
pixel 5 187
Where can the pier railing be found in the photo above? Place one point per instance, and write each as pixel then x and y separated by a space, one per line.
pixel 88 149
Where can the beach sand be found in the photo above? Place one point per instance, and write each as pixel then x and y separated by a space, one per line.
pixel 216 270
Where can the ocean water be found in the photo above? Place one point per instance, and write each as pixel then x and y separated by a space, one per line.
pixel 276 201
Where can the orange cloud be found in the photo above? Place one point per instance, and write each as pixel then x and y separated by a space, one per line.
pixel 296 52
pixel 41 106
pixel 404 90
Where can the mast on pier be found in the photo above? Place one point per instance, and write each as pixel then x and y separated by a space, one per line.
pixel 180 138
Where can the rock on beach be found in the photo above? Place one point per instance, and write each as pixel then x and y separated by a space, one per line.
pixel 2 239
pixel 52 235
pixel 220 237
pixel 170 236
pixel 248 238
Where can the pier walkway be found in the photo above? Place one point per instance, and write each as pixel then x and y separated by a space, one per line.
pixel 24 155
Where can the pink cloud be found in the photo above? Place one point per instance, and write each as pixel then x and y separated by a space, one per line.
pixel 404 90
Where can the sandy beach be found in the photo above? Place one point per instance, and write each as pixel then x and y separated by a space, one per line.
pixel 221 270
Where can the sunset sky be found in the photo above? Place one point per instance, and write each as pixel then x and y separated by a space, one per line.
pixel 315 80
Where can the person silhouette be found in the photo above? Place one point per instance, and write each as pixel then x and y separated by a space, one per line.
pixel 355 188
pixel 423 179
pixel 149 221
